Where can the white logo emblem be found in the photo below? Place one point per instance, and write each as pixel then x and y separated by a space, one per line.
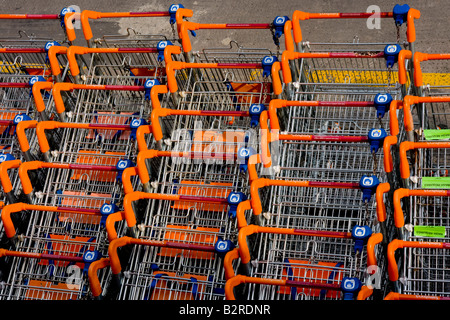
pixel 391 49
pixel 235 198
pixel 349 284
pixel 2 157
pixel 174 7
pixel 107 208
pixel 268 60
pixel 122 164
pixel 150 83
pixel 376 133
pixel 280 20
pixel 382 98
pixel 360 232
pixel 221 245
pixel 89 255
pixel 367 181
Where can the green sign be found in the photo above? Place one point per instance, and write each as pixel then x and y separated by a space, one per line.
pixel 429 231
pixel 443 134
pixel 436 183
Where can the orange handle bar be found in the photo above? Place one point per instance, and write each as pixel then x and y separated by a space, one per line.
pixel 52 125
pixel 37 95
pixel 10 230
pixel 300 15
pixel 34 165
pixel 400 244
pixel 263 182
pixel 381 208
pixel 94 282
pixel 54 64
pixel 186 26
pixel 4 177
pixel 400 296
pixel 88 14
pixel 67 86
pixel 124 241
pixel 248 230
pixel 21 136
pixel 409 145
pixel 399 218
pixel 140 136
pixel 72 51
pixel 228 263
pixel 418 58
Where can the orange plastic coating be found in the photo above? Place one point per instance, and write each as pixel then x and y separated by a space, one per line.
pixel 110 224
pixel 4 177
pixel 253 160
pixel 21 136
pixel 276 80
pixel 411 29
pixel 240 213
pixel 94 282
pixel 140 137
pixel 126 179
pixel 402 72
pixel 266 139
pixel 373 241
pixel 169 51
pixel 401 193
pixel 393 123
pixel 364 293
pixel 51 125
pixel 69 18
pixel 409 145
pixel 418 58
pixel 54 64
pixel 407 114
pixel 400 244
pixel 88 14
pixel 37 95
pixel 388 142
pixel 381 208
pixel 228 263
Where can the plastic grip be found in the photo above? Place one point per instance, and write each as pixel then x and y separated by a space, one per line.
pixel 94 282
pixel 411 29
pixel 374 240
pixel 21 135
pixel 381 208
pixel 54 64
pixel 4 177
pixel 228 263
pixel 68 22
pixel 37 95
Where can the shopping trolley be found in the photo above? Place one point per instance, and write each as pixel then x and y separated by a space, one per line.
pixel 176 14
pixel 147 278
pixel 50 249
pixel 296 264
pixel 423 271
